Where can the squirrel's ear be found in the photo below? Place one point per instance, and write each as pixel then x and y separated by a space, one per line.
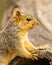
pixel 16 12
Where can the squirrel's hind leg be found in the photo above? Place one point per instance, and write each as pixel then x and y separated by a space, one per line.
pixel 8 58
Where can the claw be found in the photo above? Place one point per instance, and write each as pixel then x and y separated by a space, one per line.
pixel 35 56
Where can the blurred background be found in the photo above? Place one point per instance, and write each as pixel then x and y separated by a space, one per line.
pixel 40 9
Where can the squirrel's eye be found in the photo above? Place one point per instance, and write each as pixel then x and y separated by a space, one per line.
pixel 28 19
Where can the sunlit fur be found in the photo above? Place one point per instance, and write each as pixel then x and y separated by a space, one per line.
pixel 15 37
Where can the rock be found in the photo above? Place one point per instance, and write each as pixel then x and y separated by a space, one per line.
pixel 44 58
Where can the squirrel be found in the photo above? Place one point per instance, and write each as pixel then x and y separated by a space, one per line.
pixel 14 37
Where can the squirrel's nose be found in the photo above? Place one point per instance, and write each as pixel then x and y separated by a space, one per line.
pixel 37 23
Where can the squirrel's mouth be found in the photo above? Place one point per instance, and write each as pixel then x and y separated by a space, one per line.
pixel 33 25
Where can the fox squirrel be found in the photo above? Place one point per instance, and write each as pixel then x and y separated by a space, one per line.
pixel 14 37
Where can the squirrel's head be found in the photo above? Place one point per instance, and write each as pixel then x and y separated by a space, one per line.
pixel 25 22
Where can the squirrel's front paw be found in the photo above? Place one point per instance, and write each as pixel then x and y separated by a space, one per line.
pixel 32 56
pixel 35 56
